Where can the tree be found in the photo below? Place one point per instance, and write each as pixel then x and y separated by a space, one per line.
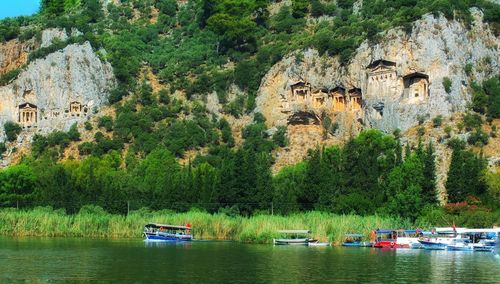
pixel 73 133
pixel 447 84
pixel 464 175
pixel 53 7
pixel 11 129
pixel 17 184
pixel 300 8
pixel 404 188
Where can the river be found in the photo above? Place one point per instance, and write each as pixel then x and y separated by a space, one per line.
pixel 61 259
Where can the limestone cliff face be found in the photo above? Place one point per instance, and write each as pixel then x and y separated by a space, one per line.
pixel 67 86
pixel 398 79
pixel 14 54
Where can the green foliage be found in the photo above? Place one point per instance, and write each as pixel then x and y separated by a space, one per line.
pixel 472 121
pixel 73 133
pixel 11 129
pixel 16 184
pixel 227 135
pixel 468 69
pixel 437 121
pixel 279 137
pixel 3 148
pixel 9 76
pixel 106 122
pixel 478 137
pixel 447 84
pixel 88 126
pixel 404 189
pixel 300 8
pixel 464 175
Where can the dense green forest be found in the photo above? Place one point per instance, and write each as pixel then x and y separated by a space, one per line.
pixel 203 46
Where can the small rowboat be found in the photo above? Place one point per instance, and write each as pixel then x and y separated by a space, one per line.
pixel 318 244
pixel 296 237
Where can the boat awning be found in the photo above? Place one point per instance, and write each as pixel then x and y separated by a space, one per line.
pixel 449 230
pixel 294 231
pixel 472 231
pixel 385 231
pixel 155 225
pixel 354 235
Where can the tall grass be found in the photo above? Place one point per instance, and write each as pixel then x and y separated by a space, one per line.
pixel 93 222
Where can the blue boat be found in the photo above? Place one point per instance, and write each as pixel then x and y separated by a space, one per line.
pixel 433 245
pixel 355 240
pixel 167 233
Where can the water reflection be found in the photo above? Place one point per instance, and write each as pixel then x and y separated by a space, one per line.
pixel 201 262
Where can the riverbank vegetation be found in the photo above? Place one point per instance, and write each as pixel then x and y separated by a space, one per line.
pixel 93 222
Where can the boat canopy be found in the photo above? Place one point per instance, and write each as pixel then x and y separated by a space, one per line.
pixel 449 230
pixel 155 225
pixel 472 231
pixel 385 231
pixel 294 231
pixel 354 235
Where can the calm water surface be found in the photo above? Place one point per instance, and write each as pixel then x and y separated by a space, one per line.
pixel 55 260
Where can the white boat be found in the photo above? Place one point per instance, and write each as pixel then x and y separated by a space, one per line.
pixel 443 238
pixel 460 245
pixel 318 244
pixel 295 237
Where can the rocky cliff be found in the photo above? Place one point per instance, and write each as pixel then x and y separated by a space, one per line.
pixel 399 79
pixel 67 86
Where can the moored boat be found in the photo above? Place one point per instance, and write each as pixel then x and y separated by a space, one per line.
pixel 460 245
pixel 167 233
pixel 356 240
pixel 387 239
pixel 294 237
pixel 318 244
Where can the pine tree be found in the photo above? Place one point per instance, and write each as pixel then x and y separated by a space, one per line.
pixel 429 182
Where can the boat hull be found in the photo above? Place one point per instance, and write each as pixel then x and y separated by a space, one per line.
pixel 318 244
pixel 292 242
pixel 433 245
pixel 158 237
pixel 389 244
pixel 357 244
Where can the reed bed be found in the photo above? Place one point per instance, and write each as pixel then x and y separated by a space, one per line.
pixel 96 223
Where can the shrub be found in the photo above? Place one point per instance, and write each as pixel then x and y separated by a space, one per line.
pixel 279 137
pixel 7 77
pixel 73 133
pixel 3 148
pixel 478 138
pixel 11 129
pixel 472 121
pixel 106 122
pixel 421 131
pixel 437 121
pixel 447 130
pixel 447 84
pixel 88 126
pixel 468 69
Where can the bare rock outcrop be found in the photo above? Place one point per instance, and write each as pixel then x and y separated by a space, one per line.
pixel 14 54
pixel 67 86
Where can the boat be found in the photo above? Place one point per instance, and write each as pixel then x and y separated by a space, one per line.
pixel 441 238
pixel 294 237
pixel 356 240
pixel 315 243
pixel 386 238
pixel 483 240
pixel 409 238
pixel 154 232
pixel 460 245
